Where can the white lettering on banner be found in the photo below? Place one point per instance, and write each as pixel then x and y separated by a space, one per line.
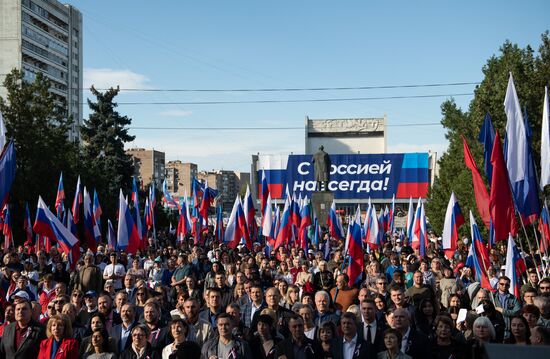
pixel 354 171
pixel 332 169
pixel 301 166
pixel 352 185
pixel 342 169
pixel 374 169
pixel 333 185
pixel 298 186
pixel 362 169
pixel 376 185
pixel 386 167
pixel 343 186
pixel 364 186
pixel 311 185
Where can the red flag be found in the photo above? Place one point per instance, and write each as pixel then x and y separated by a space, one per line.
pixel 480 191
pixel 501 203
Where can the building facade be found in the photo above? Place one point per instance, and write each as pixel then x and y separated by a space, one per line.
pixel 179 177
pixel 149 166
pixel 45 36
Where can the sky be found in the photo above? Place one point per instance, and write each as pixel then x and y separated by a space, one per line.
pixel 228 45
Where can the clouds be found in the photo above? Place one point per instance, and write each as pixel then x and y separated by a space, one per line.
pixel 105 78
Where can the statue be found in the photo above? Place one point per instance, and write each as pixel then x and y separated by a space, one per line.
pixel 321 166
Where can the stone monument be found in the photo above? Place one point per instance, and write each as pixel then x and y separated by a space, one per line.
pixel 321 198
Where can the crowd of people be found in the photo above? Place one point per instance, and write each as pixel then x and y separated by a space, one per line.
pixel 181 299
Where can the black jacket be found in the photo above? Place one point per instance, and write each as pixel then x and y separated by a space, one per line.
pixel 361 350
pixel 30 346
pixel 286 348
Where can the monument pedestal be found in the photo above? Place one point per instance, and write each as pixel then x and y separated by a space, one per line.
pixel 321 202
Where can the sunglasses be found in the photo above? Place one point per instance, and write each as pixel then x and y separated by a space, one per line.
pixel 50 307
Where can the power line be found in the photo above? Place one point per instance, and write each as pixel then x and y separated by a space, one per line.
pixel 294 101
pixel 266 128
pixel 297 89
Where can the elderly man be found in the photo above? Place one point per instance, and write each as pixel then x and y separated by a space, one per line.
pixel 414 342
pixel 323 313
pixel 272 299
pixel 90 276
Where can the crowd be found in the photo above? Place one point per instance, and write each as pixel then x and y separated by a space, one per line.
pixel 179 299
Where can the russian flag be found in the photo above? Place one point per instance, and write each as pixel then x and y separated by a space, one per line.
pixel 60 198
pixel 267 218
pixel 184 223
pixel 478 256
pixel 197 192
pixel 6 228
pixel 150 216
pixel 515 267
pixel 304 225
pixel 285 226
pixel 167 197
pixel 275 226
pixel 111 236
pixel 48 225
pixel 7 172
pixel 296 219
pixel 208 195
pixel 264 192
pixel 275 174
pixel 233 233
pixel 419 235
pixel 89 223
pixel 250 214
pixel 97 211
pixel 544 228
pixel 372 228
pixel 453 220
pixel 136 213
pixel 334 223
pixel 77 202
pixel 127 236
pixel 220 230
pixel 355 249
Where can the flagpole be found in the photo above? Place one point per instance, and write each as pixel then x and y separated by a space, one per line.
pixel 529 245
pixel 538 248
pixel 545 268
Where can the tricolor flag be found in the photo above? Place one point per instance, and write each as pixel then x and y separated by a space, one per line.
pixel 97 211
pixel 197 192
pixel 391 218
pixel 236 227
pixel 7 172
pixel 136 213
pixel 264 192
pixel 169 202
pixel 6 228
pixel 208 196
pixel 515 267
pixel 128 237
pixel 410 220
pixel 372 229
pixel 60 198
pixel 544 228
pixel 304 225
pixel 267 218
pixel 478 256
pixel 334 223
pixel 77 202
pixel 89 223
pixel 250 213
pixel 220 230
pixel 275 226
pixel 48 225
pixel 420 236
pixel 355 249
pixel 453 220
pixel 285 227
pixel 480 191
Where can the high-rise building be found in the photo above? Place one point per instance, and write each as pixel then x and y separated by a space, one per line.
pixel 45 36
pixel 149 166
pixel 179 176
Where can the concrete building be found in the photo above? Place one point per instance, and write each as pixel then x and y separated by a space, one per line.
pixel 149 166
pixel 227 182
pixel 45 36
pixel 179 176
pixel 346 136
pixel 244 179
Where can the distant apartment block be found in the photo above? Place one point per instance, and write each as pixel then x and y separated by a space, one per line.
pixel 179 176
pixel 45 36
pixel 149 166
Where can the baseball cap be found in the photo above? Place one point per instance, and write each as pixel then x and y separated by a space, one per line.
pixel 90 293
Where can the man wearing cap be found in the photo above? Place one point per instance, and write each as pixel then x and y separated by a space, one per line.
pixel 114 271
pixel 90 276
pixel 21 339
pixel 90 300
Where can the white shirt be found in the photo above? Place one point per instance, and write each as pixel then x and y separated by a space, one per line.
pixel 253 310
pixel 372 331
pixel 349 347
pixel 118 270
pixel 310 333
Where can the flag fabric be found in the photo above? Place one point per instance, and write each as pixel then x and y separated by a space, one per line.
pixel 326 253
pixel 7 172
pixel 545 143
pixel 304 226
pixel 48 225
pixel 197 192
pixel 60 198
pixel 501 202
pixel 544 228
pixel 410 220
pixel 89 223
pixel 136 213
pixel 420 236
pixel 275 226
pixel 184 223
pixel 453 220
pixel 97 209
pixel 267 217
pixel 208 195
pixel 27 226
pixel 285 227
pixel 236 226
pixel 480 191
pixel 111 236
pixel 526 192
pixel 2 132
pixel 169 202
pixel 264 192
pixel 355 249
pixel 391 218
pixel 515 267
pixel 77 201
pixel 250 214
pixel 6 228
pixel 71 226
pixel 150 215
pixel 335 223
pixel 372 228
pixel 516 149
pixel 477 261
pixel 128 238
pixel 487 139
pixel 220 230
pixel 316 232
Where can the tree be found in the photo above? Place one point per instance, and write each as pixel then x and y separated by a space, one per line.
pixel 37 121
pixel 104 133
pixel 531 73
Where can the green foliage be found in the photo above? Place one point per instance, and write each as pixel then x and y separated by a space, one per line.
pixel 37 121
pixel 531 73
pixel 107 166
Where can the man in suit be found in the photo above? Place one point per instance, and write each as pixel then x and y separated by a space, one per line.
pixel 213 306
pixel 121 333
pixel 272 299
pixel 414 342
pixel 21 339
pixel 256 304
pixel 371 330
pixel 297 345
pixel 351 345
pixel 130 287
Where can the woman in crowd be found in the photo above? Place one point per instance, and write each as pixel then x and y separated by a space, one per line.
pixel 136 270
pixel 483 333
pixel 283 274
pixel 60 344
pixel 179 329
pixel 519 331
pixel 264 342
pixel 444 345
pixel 531 313
pixel 392 343
pixel 292 296
pixel 140 347
pixel 424 317
pixel 77 298
pixel 304 279
pixel 9 317
pixel 100 345
pixel 326 336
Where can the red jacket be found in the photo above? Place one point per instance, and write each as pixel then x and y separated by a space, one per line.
pixel 68 349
